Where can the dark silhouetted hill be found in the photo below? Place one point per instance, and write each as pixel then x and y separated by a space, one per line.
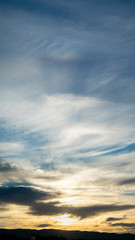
pixel 51 234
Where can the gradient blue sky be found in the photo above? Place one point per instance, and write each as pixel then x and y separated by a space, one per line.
pixel 67 114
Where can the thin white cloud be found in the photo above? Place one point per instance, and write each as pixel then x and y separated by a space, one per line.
pixel 9 148
pixel 70 122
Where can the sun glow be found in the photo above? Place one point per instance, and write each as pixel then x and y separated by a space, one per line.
pixel 65 220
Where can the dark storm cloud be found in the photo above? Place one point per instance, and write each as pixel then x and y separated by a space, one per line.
pixel 32 197
pixel 22 195
pixel 125 225
pixel 47 209
pixel 82 212
pixel 111 219
pixel 128 181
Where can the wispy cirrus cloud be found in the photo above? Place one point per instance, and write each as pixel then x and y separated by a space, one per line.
pixel 57 117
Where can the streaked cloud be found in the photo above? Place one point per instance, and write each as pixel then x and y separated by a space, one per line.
pixel 125 225
pixel 43 225
pixel 112 219
pixel 127 181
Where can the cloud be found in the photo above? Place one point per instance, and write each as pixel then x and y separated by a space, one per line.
pixel 49 178
pixel 82 212
pixel 43 225
pixel 16 174
pixel 10 148
pixel 125 225
pixel 128 181
pixel 112 219
pixel 6 167
pixel 22 195
pixel 11 174
pixel 33 198
pixel 46 209
pixel 3 208
pixel 68 120
pixel 65 121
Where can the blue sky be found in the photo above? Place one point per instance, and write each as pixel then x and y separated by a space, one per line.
pixel 67 114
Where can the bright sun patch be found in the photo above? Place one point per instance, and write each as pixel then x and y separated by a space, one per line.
pixel 65 220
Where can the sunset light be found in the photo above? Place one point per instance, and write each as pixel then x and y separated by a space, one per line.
pixel 65 220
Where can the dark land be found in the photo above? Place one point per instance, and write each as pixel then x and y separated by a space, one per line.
pixel 51 234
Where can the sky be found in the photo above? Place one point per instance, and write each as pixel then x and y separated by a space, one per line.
pixel 67 115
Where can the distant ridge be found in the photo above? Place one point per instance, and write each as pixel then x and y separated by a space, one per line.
pixel 26 233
